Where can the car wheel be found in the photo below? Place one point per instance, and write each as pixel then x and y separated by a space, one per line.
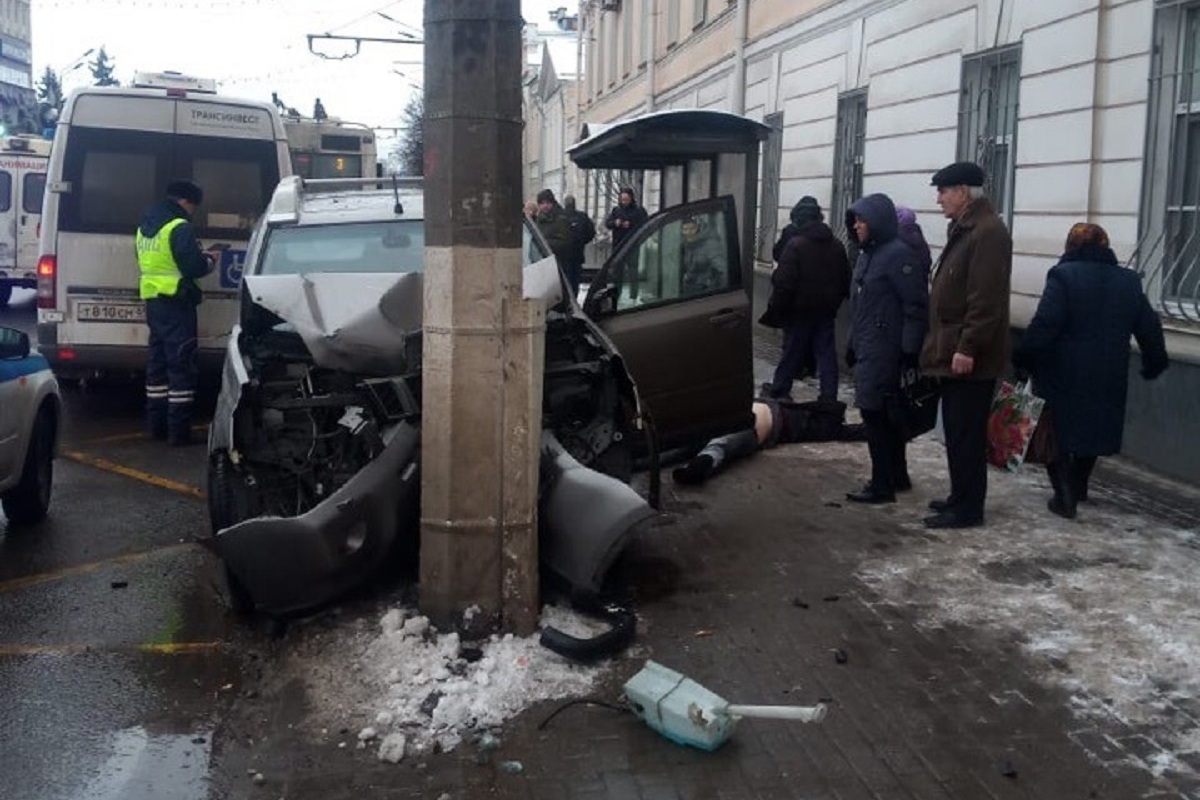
pixel 5 294
pixel 229 502
pixel 28 501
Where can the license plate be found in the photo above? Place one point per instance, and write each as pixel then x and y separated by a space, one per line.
pixel 110 312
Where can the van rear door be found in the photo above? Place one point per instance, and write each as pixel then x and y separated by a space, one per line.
pixel 31 190
pixel 8 217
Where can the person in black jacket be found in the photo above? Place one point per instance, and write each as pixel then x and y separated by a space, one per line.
pixel 1077 349
pixel 583 230
pixel 890 297
pixel 624 218
pixel 807 289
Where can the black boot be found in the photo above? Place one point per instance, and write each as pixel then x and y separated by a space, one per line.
pixel 1081 474
pixel 1063 503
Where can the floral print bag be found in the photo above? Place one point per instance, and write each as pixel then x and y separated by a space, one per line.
pixel 1013 419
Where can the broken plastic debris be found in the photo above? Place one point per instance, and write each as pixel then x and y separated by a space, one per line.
pixel 702 633
pixel 839 655
pixel 259 778
pixel 512 767
pixel 489 742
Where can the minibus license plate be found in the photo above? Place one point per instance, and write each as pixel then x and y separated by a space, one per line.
pixel 110 312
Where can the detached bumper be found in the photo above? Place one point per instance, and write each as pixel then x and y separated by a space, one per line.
pixel 295 564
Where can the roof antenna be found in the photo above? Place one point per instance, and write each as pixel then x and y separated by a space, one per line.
pixel 397 209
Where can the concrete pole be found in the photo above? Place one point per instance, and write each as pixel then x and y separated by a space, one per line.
pixel 483 350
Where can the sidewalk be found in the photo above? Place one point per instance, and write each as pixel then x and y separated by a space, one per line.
pixel 1032 658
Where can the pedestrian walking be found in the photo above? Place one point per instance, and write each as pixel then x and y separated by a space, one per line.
pixel 1077 349
pixel 583 230
pixel 968 344
pixel 808 286
pixel 889 298
pixel 555 227
pixel 170 262
pixel 625 217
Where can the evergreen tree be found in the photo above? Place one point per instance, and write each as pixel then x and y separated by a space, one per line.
pixel 49 98
pixel 411 149
pixel 102 70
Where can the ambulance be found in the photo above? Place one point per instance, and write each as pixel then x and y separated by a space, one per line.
pixel 115 149
pixel 22 184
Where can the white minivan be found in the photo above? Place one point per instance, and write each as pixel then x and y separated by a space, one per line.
pixel 114 151
pixel 22 184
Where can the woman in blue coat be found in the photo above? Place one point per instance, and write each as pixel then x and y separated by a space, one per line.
pixel 889 294
pixel 1077 349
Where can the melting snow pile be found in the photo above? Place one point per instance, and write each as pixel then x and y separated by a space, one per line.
pixel 429 690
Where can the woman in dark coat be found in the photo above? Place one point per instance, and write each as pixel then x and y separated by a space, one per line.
pixel 1077 349
pixel 890 297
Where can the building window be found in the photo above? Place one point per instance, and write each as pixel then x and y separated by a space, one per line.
pixel 768 215
pixel 672 22
pixel 987 120
pixel 1168 250
pixel 699 11
pixel 848 148
pixel 626 38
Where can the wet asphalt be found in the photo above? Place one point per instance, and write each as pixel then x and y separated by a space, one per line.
pixel 117 652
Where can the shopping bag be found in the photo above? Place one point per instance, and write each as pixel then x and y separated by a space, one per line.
pixel 1043 445
pixel 914 409
pixel 1013 419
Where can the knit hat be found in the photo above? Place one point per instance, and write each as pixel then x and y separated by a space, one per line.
pixel 905 216
pixel 806 210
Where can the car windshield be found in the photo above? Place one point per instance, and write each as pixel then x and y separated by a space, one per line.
pixel 392 246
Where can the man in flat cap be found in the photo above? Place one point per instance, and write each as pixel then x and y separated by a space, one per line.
pixel 968 344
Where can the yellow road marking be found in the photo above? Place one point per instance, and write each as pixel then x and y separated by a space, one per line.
pixel 84 569
pixel 128 437
pixel 136 474
pixel 168 649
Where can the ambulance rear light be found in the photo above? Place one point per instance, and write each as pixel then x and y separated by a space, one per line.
pixel 47 281
pixel 66 354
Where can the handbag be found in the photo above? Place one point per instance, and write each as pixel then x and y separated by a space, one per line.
pixel 913 410
pixel 1011 423
pixel 1043 445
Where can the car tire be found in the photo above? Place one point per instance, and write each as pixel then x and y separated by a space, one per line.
pixel 229 503
pixel 5 294
pixel 28 502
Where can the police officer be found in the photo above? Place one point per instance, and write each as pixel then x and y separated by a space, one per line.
pixel 170 261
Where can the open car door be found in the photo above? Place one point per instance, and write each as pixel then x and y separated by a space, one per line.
pixel 673 301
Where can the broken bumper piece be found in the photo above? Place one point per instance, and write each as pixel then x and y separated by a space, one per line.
pixel 290 565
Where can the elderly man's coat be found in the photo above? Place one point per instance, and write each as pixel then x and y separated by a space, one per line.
pixel 968 302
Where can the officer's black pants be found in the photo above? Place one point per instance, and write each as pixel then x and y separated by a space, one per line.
pixel 171 367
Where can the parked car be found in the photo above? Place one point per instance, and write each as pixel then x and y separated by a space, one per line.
pixel 314 446
pixel 29 426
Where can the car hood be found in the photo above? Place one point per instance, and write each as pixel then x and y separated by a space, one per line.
pixel 359 322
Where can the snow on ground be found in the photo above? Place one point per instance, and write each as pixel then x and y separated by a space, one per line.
pixel 407 689
pixel 1105 606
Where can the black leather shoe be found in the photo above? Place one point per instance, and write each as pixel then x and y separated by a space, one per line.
pixel 940 505
pixel 695 472
pixel 904 484
pixel 870 495
pixel 953 519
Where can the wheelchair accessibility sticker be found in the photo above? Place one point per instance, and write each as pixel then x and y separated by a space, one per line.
pixel 231 268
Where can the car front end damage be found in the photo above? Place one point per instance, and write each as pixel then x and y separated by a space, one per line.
pixel 314 450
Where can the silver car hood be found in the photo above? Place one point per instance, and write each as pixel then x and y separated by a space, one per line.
pixel 358 322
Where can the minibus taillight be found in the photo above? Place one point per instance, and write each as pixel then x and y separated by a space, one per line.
pixel 47 272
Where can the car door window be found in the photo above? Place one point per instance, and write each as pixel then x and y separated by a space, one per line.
pixel 685 257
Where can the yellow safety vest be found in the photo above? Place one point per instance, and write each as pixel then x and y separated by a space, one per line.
pixel 160 273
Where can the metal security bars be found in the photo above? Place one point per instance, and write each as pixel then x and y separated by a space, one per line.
pixel 848 148
pixel 1168 249
pixel 987 120
pixel 768 214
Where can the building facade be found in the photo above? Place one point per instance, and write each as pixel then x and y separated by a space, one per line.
pixel 1077 109
pixel 18 103
pixel 550 105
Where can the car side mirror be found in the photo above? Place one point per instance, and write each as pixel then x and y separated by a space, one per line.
pixel 14 344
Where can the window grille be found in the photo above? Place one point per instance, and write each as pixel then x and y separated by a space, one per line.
pixel 987 121
pixel 848 149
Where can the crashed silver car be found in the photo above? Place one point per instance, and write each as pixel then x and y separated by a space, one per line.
pixel 314 450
